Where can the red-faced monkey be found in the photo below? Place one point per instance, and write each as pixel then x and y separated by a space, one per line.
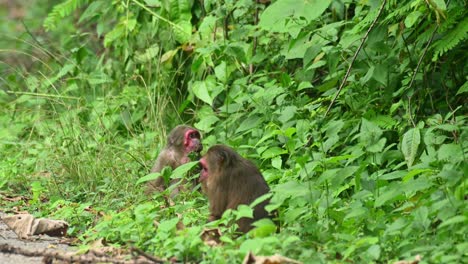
pixel 230 180
pixel 182 140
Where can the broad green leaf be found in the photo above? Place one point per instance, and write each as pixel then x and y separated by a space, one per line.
pixel 410 144
pixel 257 244
pixel 287 113
pixel 180 171
pixel 368 75
pixel 249 123
pixel 356 211
pixel 413 186
pixel 263 227
pixel 167 57
pixel 412 18
pixel 304 85
pixel 183 32
pixel 206 90
pixel 130 24
pixel 168 225
pixel 149 177
pixel 393 175
pixel 273 152
pixel 206 123
pixel 200 90
pixel 454 220
pixel 463 88
pixel 277 162
pixel 388 193
pixel 381 73
pixel 94 9
pixel 244 211
pixel 98 78
pixel 450 152
pixel 221 72
pixel 412 173
pixel 440 4
pixel 276 16
pixel 374 251
pixel 114 34
pixel 148 55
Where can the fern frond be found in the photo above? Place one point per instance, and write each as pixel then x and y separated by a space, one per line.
pixel 451 39
pixel 60 11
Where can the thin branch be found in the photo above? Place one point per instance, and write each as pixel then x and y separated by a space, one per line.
pixel 355 56
pixel 422 57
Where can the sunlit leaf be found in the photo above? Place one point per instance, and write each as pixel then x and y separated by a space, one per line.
pixel 409 145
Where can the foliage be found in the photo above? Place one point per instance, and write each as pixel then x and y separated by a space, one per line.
pixel 379 177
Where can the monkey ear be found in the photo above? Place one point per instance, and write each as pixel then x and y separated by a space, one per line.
pixel 223 156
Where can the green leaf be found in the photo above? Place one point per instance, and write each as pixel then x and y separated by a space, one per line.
pixel 410 144
pixel 148 55
pixel 450 152
pixel 149 177
pixel 278 15
pixel 206 122
pixel 206 90
pixel 94 9
pixel 393 175
pixel 244 211
pixel 463 88
pixel 412 18
pixel 388 193
pixel 273 152
pixel 263 228
pixel 221 72
pixel 168 55
pixel 180 171
pixel 114 34
pixel 183 32
pixel 287 113
pixel 249 123
pixel 412 173
pixel 454 220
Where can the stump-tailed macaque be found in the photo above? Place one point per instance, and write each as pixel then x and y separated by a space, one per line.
pixel 230 180
pixel 182 141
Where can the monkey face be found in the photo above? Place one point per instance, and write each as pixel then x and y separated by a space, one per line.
pixel 192 141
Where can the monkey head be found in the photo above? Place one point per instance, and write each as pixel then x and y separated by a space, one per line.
pixel 186 139
pixel 214 161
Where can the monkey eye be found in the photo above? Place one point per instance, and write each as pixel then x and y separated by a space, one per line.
pixel 193 135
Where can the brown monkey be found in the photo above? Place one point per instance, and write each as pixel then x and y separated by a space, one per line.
pixel 182 140
pixel 230 180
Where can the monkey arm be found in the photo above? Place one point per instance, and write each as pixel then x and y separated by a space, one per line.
pixel 164 159
pixel 218 204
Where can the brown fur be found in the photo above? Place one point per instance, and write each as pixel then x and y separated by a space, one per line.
pixel 230 180
pixel 174 154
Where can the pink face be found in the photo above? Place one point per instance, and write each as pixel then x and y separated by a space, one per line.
pixel 192 141
pixel 204 170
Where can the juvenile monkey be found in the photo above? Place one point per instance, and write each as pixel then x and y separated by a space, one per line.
pixel 182 140
pixel 230 180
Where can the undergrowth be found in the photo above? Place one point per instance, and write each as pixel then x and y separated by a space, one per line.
pixel 375 176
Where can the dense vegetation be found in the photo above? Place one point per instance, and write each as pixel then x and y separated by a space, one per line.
pixel 354 111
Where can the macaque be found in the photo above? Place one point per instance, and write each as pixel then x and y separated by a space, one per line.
pixel 182 141
pixel 230 180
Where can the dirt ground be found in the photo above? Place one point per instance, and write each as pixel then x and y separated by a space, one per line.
pixel 38 243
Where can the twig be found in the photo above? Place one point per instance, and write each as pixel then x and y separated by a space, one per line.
pixel 144 254
pixel 254 48
pixel 422 57
pixel 355 56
